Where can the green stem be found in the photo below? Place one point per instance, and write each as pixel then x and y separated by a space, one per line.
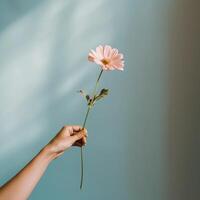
pixel 84 123
pixel 95 88
pixel 86 116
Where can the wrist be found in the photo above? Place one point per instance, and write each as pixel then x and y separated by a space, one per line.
pixel 48 153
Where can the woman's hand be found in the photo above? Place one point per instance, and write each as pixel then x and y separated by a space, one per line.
pixel 68 136
pixel 21 185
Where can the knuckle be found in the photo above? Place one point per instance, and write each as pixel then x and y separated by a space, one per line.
pixel 65 127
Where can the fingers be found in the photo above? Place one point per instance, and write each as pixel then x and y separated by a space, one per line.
pixel 81 135
pixel 70 130
pixel 81 142
pixel 67 130
pixel 77 135
pixel 76 128
pixel 78 144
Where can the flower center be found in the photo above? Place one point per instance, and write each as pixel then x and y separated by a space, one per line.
pixel 105 61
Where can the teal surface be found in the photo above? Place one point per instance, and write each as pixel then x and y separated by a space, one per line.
pixel 144 137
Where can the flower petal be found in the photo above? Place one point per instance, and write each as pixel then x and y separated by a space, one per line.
pixel 98 62
pixel 114 52
pixel 107 51
pixel 91 57
pixel 99 52
pixel 121 56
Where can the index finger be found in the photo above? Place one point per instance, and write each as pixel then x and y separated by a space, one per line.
pixel 76 128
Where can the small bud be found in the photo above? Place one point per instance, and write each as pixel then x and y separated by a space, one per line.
pixel 86 96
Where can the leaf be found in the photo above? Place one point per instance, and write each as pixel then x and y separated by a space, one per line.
pixel 82 92
pixel 86 96
pixel 102 94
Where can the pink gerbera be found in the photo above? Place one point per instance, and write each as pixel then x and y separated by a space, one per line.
pixel 107 57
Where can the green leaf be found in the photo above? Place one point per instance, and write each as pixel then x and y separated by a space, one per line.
pixel 102 94
pixel 86 96
pixel 82 93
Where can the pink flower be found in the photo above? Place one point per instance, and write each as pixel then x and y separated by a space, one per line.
pixel 107 57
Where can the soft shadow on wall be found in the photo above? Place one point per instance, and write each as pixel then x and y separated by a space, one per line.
pixel 17 9
pixel 184 100
pixel 43 60
pixel 45 89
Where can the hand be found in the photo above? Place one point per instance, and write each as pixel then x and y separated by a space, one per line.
pixel 23 183
pixel 68 136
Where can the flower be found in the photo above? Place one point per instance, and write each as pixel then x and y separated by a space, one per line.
pixel 107 57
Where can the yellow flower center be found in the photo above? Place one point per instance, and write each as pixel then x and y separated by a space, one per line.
pixel 105 61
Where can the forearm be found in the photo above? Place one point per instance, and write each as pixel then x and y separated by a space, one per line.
pixel 21 186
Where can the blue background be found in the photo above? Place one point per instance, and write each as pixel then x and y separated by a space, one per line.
pixel 144 137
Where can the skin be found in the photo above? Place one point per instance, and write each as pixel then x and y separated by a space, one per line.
pixel 22 184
